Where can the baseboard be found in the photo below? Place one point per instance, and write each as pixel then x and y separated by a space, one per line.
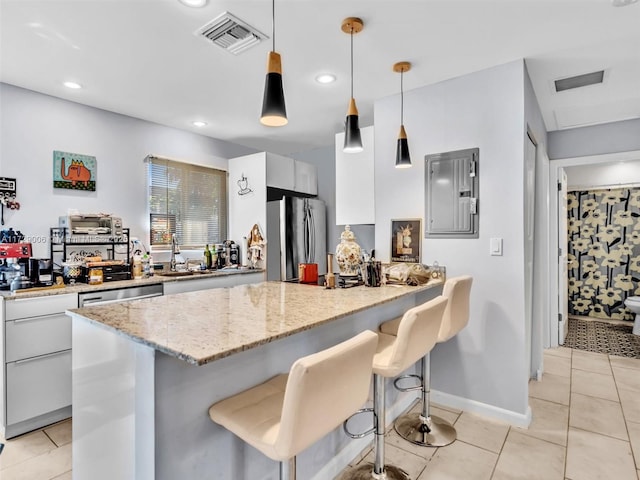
pixel 473 406
pixel 342 459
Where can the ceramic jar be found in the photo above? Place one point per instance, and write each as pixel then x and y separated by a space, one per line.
pixel 348 254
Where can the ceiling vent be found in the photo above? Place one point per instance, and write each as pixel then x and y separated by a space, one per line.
pixel 579 81
pixel 231 33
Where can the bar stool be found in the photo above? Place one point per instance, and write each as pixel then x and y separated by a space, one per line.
pixel 423 428
pixel 289 412
pixel 416 334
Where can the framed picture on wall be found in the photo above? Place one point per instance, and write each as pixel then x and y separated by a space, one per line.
pixel 405 240
pixel 74 171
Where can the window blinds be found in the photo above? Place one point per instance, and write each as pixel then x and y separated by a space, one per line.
pixel 188 200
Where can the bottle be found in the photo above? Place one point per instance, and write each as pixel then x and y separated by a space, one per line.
pixel 151 272
pixel 207 257
pixel 214 257
pixel 137 267
pixel 145 265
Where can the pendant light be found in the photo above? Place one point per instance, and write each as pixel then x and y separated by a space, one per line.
pixel 403 159
pixel 274 111
pixel 352 138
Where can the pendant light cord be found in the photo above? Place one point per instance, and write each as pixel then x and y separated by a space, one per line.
pixel 351 61
pixel 273 23
pixel 401 97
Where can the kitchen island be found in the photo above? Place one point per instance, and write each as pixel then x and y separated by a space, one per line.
pixel 145 373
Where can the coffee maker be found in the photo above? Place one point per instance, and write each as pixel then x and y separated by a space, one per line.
pixel 14 266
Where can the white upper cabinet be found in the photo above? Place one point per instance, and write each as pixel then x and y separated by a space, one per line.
pixel 306 178
pixel 355 196
pixel 280 172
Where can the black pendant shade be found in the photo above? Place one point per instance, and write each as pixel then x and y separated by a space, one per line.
pixel 352 137
pixel 274 111
pixel 403 159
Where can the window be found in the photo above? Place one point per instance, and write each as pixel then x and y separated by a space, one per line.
pixel 188 200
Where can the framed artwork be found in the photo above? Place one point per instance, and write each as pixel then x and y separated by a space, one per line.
pixel 74 171
pixel 405 240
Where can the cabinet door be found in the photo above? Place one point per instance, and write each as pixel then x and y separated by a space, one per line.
pixel 306 178
pixel 33 336
pixel 38 306
pixel 355 196
pixel 38 385
pixel 280 172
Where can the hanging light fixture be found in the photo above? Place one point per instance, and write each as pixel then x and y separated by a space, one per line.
pixel 274 111
pixel 403 159
pixel 352 138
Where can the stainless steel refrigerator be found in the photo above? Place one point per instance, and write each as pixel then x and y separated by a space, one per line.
pixel 296 233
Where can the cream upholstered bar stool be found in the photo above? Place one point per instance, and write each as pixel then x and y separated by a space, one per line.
pixel 423 428
pixel 417 333
pixel 286 414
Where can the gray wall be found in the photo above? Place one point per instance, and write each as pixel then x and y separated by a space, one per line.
pixel 33 125
pixel 595 140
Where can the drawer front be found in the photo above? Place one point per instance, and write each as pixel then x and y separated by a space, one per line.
pixel 37 386
pixel 35 307
pixel 33 336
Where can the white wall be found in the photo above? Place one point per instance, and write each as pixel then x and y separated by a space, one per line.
pixel 33 125
pixel 486 362
pixel 603 175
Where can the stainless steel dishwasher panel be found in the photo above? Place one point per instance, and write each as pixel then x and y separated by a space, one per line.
pixel 106 297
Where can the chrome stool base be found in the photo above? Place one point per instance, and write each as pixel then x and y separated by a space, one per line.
pixel 364 471
pixel 413 429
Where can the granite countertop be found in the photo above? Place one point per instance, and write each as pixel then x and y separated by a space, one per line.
pixel 84 287
pixel 201 328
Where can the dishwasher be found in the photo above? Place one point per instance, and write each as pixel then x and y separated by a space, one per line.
pixel 106 297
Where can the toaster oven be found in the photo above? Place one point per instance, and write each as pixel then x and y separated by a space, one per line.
pixel 93 227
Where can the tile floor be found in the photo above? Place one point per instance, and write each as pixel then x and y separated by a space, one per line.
pixel 586 425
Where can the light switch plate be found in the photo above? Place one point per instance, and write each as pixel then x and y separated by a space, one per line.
pixel 495 247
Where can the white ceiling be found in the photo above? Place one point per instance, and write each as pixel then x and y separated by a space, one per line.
pixel 141 58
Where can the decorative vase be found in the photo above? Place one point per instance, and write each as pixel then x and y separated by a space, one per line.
pixel 348 254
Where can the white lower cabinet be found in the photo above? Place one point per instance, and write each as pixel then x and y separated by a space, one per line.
pixel 38 385
pixel 36 362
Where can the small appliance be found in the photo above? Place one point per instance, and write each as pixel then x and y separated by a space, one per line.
pixel 93 226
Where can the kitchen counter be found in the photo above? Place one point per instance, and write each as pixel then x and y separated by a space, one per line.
pixel 146 372
pixel 246 316
pixel 84 287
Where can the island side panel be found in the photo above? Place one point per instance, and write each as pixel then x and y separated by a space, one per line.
pixel 113 398
pixel 189 445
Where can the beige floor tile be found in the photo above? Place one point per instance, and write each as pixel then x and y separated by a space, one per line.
pixel 60 433
pixel 481 431
pixel 597 415
pixel 392 438
pixel 43 467
pixel 460 461
pixel 550 422
pixel 410 463
pixel 627 379
pixel 559 352
pixel 553 388
pixel 446 407
pixel 524 457
pixel 593 384
pixel 634 437
pixel 591 456
pixel 23 448
pixel 625 362
pixel 591 362
pixel 556 365
pixel 630 405
pixel 64 476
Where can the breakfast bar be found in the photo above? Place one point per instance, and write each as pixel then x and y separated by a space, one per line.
pixel 145 373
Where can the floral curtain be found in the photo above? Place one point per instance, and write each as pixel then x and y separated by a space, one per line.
pixel 604 251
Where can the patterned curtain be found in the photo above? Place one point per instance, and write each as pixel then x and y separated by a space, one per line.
pixel 604 251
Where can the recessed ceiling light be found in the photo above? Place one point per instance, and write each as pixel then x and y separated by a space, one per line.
pixel 326 78
pixel 73 85
pixel 198 123
pixel 193 3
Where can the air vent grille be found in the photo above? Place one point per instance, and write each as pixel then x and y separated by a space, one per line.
pixel 579 81
pixel 230 33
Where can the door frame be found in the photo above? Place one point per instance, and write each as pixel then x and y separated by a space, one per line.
pixel 554 165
